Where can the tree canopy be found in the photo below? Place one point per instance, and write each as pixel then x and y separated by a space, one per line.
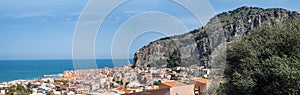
pixel 267 61
pixel 18 90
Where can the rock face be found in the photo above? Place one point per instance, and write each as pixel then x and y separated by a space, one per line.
pixel 195 47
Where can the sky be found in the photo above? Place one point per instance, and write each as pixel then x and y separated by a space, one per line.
pixel 44 29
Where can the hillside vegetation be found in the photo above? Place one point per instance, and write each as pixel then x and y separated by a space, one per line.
pixel 267 61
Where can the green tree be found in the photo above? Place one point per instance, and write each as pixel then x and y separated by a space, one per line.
pixel 18 90
pixel 267 61
pixel 174 60
pixel 29 86
pixel 50 93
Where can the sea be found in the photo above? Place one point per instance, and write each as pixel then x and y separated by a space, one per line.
pixel 34 69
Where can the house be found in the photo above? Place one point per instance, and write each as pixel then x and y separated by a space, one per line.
pixel 201 85
pixel 168 88
pixel 3 88
pixel 169 84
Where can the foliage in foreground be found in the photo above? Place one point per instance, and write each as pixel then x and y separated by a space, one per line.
pixel 19 90
pixel 267 61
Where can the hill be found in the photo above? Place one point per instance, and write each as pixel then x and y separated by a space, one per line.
pixel 196 47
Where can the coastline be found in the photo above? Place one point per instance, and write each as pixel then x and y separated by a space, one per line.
pixel 117 80
pixel 34 78
pixel 12 70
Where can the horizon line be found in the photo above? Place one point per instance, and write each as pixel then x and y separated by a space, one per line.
pixel 68 59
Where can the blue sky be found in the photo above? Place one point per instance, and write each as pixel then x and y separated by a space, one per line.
pixel 43 29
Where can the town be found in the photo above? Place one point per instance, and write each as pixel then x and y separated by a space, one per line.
pixel 122 81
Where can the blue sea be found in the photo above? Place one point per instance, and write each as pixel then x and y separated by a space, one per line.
pixel 33 69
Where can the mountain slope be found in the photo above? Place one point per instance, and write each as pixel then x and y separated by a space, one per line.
pixel 195 47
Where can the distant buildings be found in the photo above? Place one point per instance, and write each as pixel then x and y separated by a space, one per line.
pixel 122 80
pixel 3 88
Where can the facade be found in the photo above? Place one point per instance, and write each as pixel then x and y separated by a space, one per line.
pixel 201 85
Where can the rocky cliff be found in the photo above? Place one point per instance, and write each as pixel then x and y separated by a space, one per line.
pixel 195 47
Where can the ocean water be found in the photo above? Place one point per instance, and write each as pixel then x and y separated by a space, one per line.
pixel 33 69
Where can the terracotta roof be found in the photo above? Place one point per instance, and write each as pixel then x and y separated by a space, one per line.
pixel 173 83
pixel 153 88
pixel 164 91
pixel 121 88
pixel 201 84
pixel 202 80
pixel 127 91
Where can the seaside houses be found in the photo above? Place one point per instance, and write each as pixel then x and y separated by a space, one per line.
pixel 3 88
pixel 122 80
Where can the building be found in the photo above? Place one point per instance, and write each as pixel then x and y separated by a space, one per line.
pixel 3 88
pixel 168 88
pixel 201 85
